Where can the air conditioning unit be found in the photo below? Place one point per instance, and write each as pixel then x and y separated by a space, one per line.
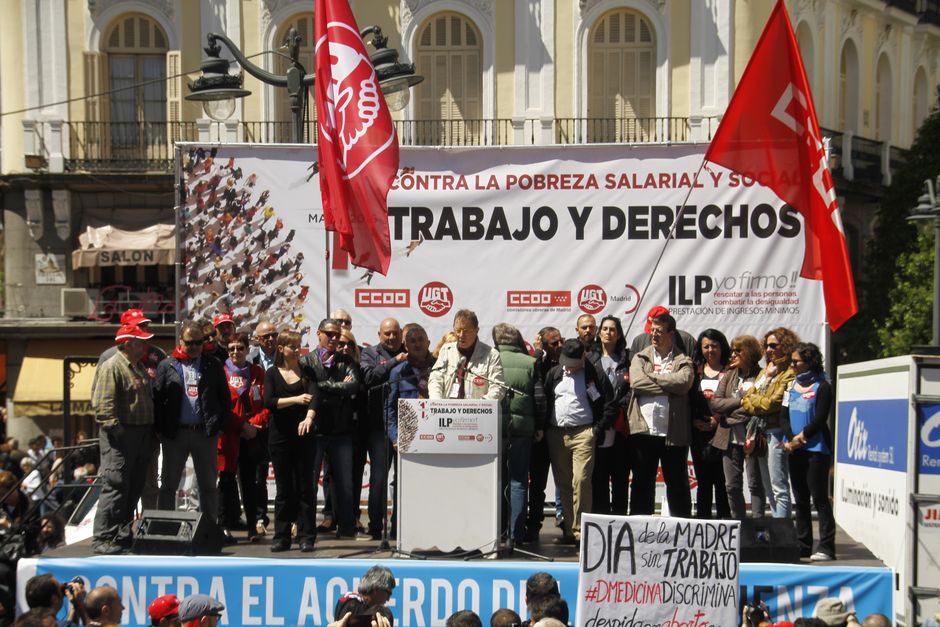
pixel 75 302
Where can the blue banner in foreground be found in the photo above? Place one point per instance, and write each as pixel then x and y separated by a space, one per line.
pixel 304 592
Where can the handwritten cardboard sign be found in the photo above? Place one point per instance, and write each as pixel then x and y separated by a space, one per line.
pixel 645 571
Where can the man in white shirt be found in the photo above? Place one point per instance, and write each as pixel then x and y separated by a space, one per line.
pixel 660 424
pixel 580 406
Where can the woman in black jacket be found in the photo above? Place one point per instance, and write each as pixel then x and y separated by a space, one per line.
pixel 611 462
pixel 711 357
pixel 290 395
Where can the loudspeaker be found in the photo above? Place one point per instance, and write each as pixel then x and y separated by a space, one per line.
pixel 769 540
pixel 177 533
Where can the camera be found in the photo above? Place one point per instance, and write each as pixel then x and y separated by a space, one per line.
pixel 67 587
pixel 756 613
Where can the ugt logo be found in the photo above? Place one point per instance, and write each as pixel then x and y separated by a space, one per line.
pixel 353 95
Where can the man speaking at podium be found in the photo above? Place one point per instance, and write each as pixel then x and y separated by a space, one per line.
pixel 467 368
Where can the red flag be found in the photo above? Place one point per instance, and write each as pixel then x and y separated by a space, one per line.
pixel 770 133
pixel 358 147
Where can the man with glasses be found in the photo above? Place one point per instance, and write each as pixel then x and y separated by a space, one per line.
pixel 191 408
pixel 200 610
pixel 264 351
pixel 104 607
pixel 342 318
pixel 377 363
pixel 660 424
pixel 123 406
pixel 338 382
pixel 467 368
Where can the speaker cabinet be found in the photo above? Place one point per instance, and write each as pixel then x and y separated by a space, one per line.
pixel 769 540
pixel 177 533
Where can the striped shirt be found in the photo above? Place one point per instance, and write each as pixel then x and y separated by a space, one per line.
pixel 122 393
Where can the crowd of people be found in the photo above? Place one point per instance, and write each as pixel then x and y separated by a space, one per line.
pixel 602 415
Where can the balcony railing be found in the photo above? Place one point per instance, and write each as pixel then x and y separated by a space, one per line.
pixel 149 147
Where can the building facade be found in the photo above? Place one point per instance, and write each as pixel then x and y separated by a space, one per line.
pixel 92 98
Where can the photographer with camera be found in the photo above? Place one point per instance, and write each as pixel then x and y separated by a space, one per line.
pixel 46 591
pixel 756 614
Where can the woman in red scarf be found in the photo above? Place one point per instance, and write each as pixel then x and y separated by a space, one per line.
pixel 247 429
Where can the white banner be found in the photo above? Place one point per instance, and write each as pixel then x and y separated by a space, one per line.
pixel 646 570
pixel 440 426
pixel 533 236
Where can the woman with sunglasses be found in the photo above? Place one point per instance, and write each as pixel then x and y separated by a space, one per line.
pixel 806 409
pixel 240 443
pixel 291 398
pixel 349 347
pixel 732 427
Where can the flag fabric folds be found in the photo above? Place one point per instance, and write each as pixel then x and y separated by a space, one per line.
pixel 358 147
pixel 770 133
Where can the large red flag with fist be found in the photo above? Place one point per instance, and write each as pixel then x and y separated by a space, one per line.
pixel 358 147
pixel 770 133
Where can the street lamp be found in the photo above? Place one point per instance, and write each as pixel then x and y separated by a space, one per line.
pixel 928 209
pixel 217 89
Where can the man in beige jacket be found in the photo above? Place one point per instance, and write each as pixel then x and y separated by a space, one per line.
pixel 467 368
pixel 660 426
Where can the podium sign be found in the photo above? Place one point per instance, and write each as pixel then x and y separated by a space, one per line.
pixel 448 475
pixel 448 426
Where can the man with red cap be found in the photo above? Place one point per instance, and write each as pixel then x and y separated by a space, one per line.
pixel 123 404
pixel 165 611
pixel 150 362
pixel 682 341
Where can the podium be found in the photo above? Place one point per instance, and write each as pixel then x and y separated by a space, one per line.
pixel 448 475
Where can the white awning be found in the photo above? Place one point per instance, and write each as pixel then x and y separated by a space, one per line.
pixel 126 237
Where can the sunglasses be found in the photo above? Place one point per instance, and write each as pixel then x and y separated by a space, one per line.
pixel 193 342
pixel 268 336
pixel 737 350
pixel 772 345
pixel 348 344
pixel 331 334
pixel 232 348
pixel 344 322
pixel 556 343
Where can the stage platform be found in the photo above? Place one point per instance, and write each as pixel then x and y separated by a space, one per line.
pixel 850 553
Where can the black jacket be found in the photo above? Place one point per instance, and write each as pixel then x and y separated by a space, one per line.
pixel 336 405
pixel 376 363
pixel 603 409
pixel 621 385
pixel 214 398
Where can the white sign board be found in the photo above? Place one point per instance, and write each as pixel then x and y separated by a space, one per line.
pixel 448 426
pixel 650 570
pixel 532 236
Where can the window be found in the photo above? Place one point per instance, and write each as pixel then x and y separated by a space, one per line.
pixel 449 107
pixel 136 50
pixel 804 39
pixel 920 101
pixel 848 89
pixel 282 131
pixel 621 78
pixel 884 91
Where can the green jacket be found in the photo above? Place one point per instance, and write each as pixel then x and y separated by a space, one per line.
pixel 520 412
pixel 767 399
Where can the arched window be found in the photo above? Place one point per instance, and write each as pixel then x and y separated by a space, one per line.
pixel 848 88
pixel 136 50
pixel 449 103
pixel 804 38
pixel 621 78
pixel 920 106
pixel 884 93
pixel 303 22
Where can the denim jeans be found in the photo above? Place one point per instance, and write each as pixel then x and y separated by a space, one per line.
pixel 779 467
pixel 517 478
pixel 338 449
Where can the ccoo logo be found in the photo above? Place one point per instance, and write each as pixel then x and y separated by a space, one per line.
pixel 592 299
pixel 435 299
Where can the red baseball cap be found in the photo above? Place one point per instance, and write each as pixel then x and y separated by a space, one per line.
pixel 221 319
pixel 658 310
pixel 164 606
pixel 131 332
pixel 134 316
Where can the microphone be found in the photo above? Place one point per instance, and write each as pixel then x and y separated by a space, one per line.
pixel 461 363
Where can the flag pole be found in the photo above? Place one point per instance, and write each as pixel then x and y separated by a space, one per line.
pixel 662 251
pixel 326 258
